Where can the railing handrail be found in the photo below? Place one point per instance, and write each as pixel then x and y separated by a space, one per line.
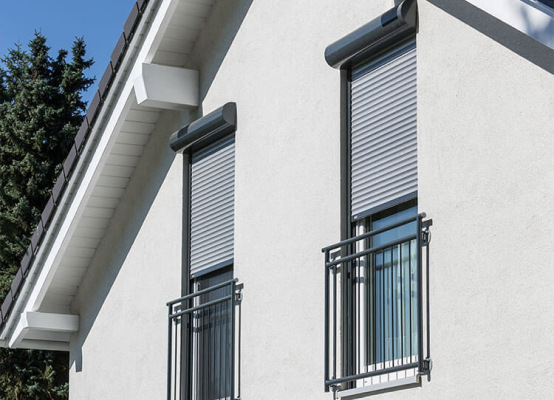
pixel 203 291
pixel 201 306
pixel 371 250
pixel 374 232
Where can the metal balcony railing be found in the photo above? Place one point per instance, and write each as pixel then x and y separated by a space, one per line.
pixel 204 344
pixel 377 305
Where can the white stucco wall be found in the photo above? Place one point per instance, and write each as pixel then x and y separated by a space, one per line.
pixel 486 177
pixel 287 177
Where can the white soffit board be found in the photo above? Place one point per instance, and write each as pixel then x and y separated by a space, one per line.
pixel 180 31
pixel 535 21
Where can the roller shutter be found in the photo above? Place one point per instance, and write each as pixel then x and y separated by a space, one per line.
pixel 212 206
pixel 383 130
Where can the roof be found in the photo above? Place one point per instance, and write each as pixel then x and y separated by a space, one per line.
pixel 156 42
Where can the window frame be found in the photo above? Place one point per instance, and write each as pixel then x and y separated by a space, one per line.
pixel 347 220
pixel 203 133
pixel 190 371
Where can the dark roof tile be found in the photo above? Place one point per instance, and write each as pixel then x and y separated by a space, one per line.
pixel 26 261
pixel 7 305
pixel 82 134
pixel 94 108
pixel 37 236
pixel 48 212
pixel 118 51
pixel 142 4
pixel 59 186
pixel 70 161
pixel 106 81
pixel 17 282
pixel 131 23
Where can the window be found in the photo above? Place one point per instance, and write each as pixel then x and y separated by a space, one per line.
pixel 375 278
pixel 211 337
pixel 384 291
pixel 203 341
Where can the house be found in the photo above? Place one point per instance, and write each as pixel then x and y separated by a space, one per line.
pixel 230 141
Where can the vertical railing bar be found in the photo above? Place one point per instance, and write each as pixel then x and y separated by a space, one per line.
pixel 175 374
pixel 410 296
pixel 199 350
pixel 186 350
pixel 220 371
pixel 400 267
pixel 213 358
pixel 383 322
pixel 367 316
pixel 350 335
pixel 202 359
pixel 326 323
pixel 357 283
pixel 233 289
pixel 223 338
pixel 225 335
pixel 392 302
pixel 226 318
pixel 374 294
pixel 428 314
pixel 238 347
pixel 420 297
pixel 335 339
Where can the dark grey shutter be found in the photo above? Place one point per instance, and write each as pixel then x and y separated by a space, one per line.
pixel 212 206
pixel 384 134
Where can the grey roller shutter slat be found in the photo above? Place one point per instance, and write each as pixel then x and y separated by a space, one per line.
pixel 212 206
pixel 384 132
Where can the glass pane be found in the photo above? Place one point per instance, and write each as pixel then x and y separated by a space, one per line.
pixel 395 288
pixel 211 340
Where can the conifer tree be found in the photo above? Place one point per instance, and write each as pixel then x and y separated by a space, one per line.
pixel 41 109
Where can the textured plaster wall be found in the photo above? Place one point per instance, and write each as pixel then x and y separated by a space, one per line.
pixel 120 350
pixel 486 177
pixel 287 176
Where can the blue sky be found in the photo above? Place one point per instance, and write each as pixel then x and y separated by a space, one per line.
pixel 100 22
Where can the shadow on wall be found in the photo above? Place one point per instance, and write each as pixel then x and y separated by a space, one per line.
pixel 124 227
pixel 502 33
pixel 216 39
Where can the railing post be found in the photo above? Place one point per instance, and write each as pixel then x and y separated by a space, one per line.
pixel 419 296
pixel 233 288
pixel 326 350
pixel 169 352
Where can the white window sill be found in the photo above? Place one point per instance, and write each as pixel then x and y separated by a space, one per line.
pixel 376 388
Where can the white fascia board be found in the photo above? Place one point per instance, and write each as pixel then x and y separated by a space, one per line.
pixel 38 282
pixel 47 322
pixel 164 87
pixel 534 21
